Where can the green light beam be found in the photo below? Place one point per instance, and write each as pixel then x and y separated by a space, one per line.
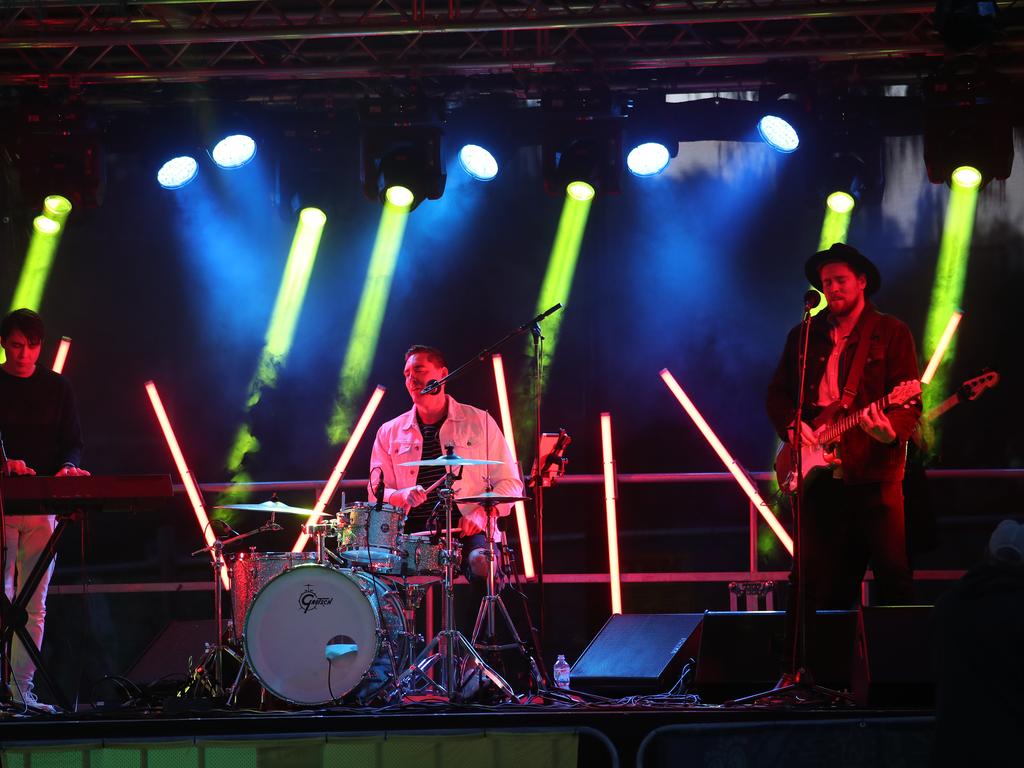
pixel 280 332
pixel 362 342
pixel 948 286
pixel 561 270
pixel 35 273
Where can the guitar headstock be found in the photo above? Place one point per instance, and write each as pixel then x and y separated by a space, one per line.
pixel 904 392
pixel 972 388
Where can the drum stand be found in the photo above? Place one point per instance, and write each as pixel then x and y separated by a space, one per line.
pixel 485 615
pixel 214 653
pixel 449 646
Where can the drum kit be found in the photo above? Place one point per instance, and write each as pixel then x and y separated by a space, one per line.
pixel 337 625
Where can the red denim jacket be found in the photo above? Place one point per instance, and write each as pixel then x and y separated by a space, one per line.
pixel 891 360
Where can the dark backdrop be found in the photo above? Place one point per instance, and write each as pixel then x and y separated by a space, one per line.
pixel 698 270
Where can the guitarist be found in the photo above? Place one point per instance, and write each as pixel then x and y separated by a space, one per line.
pixel 853 512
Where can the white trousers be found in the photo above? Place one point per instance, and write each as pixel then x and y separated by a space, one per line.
pixel 26 538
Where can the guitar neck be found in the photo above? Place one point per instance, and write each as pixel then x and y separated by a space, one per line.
pixel 946 405
pixel 835 430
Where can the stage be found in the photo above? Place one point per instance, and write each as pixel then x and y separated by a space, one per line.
pixel 645 732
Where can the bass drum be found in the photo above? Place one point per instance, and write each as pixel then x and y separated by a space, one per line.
pixel 314 634
pixel 250 571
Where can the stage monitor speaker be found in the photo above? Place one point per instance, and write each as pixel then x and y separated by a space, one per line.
pixel 170 651
pixel 743 652
pixel 637 654
pixel 893 663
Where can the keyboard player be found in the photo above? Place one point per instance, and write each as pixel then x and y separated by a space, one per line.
pixel 41 434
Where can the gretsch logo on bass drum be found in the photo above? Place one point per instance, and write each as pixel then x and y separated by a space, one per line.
pixel 310 601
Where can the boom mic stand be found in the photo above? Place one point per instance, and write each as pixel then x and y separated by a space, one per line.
pixel 798 686
pixel 533 326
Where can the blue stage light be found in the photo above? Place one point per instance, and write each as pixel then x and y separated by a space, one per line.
pixel 478 162
pixel 648 159
pixel 778 134
pixel 234 151
pixel 177 172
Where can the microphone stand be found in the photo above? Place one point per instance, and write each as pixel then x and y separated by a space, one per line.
pixel 5 602
pixel 798 686
pixel 533 326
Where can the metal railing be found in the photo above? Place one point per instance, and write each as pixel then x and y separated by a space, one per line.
pixel 753 573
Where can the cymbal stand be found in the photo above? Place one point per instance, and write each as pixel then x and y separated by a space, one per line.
pixel 214 653
pixel 485 615
pixel 449 646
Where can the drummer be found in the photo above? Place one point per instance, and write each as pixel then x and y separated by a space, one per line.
pixel 422 432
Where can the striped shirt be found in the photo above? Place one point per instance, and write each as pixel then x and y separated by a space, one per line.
pixel 427 476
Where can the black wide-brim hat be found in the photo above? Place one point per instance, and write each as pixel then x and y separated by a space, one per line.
pixel 841 252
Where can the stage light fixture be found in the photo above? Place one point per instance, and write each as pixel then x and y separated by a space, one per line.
pixel 648 159
pixel 579 190
pixel 177 172
pixel 400 144
pixel 44 225
pixel 966 24
pixel 234 151
pixel 57 207
pixel 840 202
pixel 967 123
pixel 966 176
pixel 52 147
pixel 478 162
pixel 582 142
pixel 399 196
pixel 778 133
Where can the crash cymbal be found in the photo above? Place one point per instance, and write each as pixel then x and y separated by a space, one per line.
pixel 489 497
pixel 448 460
pixel 276 507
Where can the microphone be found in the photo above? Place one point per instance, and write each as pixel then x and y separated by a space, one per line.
pixel 379 491
pixel 811 299
pixel 432 386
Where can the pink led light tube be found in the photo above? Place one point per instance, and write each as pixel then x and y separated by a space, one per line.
pixel 730 463
pixel 341 465
pixel 191 488
pixel 506 427
pixel 611 518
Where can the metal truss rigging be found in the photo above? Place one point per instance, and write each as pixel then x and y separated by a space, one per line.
pixel 274 48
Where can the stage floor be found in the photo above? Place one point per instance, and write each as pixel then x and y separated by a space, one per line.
pixel 648 731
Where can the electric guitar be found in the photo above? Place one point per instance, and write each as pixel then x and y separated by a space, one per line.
pixel 830 424
pixel 969 390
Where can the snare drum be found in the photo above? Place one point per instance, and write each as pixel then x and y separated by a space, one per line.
pixel 369 537
pixel 250 571
pixel 316 633
pixel 422 557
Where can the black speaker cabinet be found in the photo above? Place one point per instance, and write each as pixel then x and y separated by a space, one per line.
pixel 893 660
pixel 743 652
pixel 170 651
pixel 636 654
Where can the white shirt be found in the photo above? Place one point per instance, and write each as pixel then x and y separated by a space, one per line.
pixel 475 436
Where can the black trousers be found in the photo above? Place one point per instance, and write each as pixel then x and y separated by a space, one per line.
pixel 843 529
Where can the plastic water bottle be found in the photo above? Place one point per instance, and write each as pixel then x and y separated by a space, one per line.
pixel 562 672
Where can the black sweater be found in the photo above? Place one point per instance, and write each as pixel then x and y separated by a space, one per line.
pixel 39 420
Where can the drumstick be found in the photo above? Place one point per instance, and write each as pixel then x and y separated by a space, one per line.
pixel 434 486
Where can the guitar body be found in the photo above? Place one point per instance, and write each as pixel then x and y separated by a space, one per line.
pixel 813 458
pixel 829 425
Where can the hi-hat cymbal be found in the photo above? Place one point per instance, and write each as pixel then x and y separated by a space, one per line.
pixel 490 497
pixel 276 507
pixel 448 460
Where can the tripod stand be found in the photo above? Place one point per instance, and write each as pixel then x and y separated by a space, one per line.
pixel 213 656
pixel 449 646
pixel 485 616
